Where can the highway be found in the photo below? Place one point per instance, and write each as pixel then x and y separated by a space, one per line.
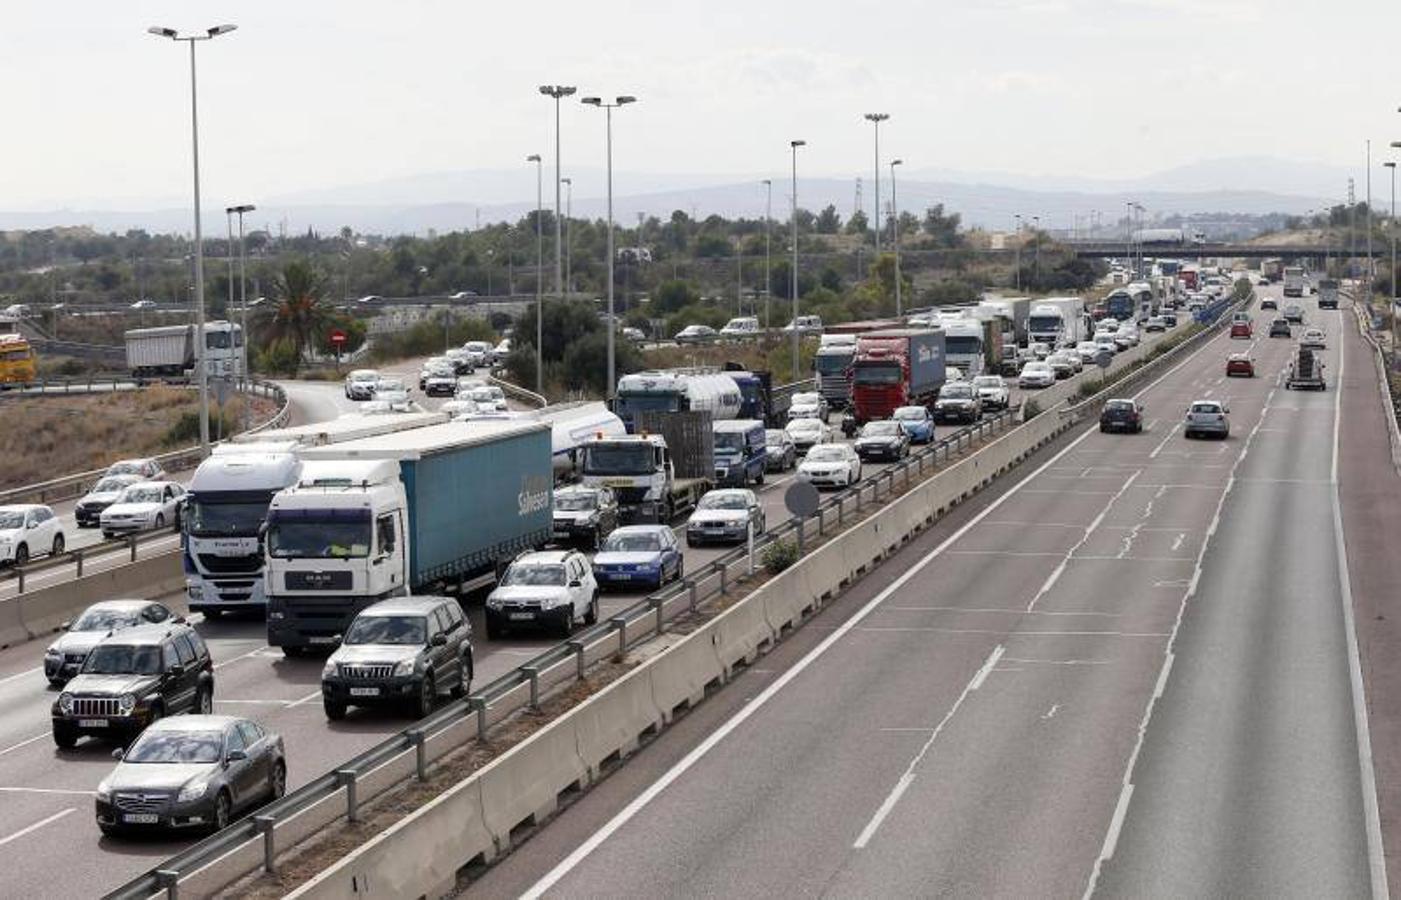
pixel 49 792
pixel 1127 673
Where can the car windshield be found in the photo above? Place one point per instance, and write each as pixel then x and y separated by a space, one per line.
pixel 618 459
pixel 131 467
pixel 118 659
pixel 364 376
pixel 176 747
pixel 632 543
pixel 798 426
pixel 390 384
pixel 108 485
pixel 826 454
pixel 297 539
pixel 208 518
pixel 876 374
pixel 11 518
pixel 723 501
pixel 575 502
pixel 533 575
pixel 909 414
pixel 1205 408
pixel 141 495
pixel 882 429
pixel 387 630
pixel 991 381
pixel 729 440
pixel 103 619
pixel 957 392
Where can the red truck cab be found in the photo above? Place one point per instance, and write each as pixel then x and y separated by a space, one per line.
pixel 895 368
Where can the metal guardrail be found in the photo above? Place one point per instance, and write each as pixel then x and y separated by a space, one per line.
pixel 70 486
pixel 77 557
pixel 88 385
pixel 520 393
pixel 625 629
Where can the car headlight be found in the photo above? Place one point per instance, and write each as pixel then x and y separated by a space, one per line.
pixel 493 603
pixel 52 651
pixel 126 703
pixel 405 666
pixel 192 791
pixel 329 670
pixel 195 591
pixel 65 703
pixel 104 793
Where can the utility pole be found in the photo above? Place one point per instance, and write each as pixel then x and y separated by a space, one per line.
pixel 895 234
pixel 875 119
pixel 568 240
pixel 793 281
pixel 768 223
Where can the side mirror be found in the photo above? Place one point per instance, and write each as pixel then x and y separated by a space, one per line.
pixel 118 753
pixel 65 625
pixel 177 671
pixel 32 525
pixel 236 756
pixel 1226 407
pixel 439 640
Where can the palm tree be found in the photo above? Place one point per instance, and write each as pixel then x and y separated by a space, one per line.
pixel 300 315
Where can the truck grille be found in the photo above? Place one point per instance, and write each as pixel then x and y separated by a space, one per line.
pixel 95 706
pixel 141 803
pixel 231 565
pixel 365 672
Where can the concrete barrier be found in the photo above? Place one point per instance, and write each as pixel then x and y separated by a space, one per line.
pixel 527 790
pixel 618 716
pixel 42 611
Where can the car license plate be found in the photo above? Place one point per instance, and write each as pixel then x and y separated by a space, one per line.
pixel 522 616
pixel 364 692
pixel 92 723
pixel 621 576
pixel 321 639
pixel 140 818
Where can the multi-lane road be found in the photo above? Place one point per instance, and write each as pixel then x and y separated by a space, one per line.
pixel 48 792
pixel 1129 672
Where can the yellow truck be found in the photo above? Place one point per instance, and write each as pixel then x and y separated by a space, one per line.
pixel 17 360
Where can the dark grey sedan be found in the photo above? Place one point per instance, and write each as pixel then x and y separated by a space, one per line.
pixel 191 772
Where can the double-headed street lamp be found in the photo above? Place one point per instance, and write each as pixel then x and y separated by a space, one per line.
pixel 608 108
pixel 557 91
pixel 243 301
pixel 793 282
pixel 895 233
pixel 875 119
pixel 191 39
pixel 539 274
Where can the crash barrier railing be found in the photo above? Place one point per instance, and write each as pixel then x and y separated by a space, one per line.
pixel 86 385
pixel 70 486
pixel 520 393
pixel 107 548
pixel 377 769
pixel 253 843
pixel 1364 326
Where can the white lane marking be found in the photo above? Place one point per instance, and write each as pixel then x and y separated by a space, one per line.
pixel 1163 443
pixel 36 826
pixel 24 743
pixel 627 813
pixel 18 675
pixel 1011 634
pixel 1375 849
pixel 908 777
pixel 1177 542
pixel 904 730
pixel 1059 570
pixel 1022 660
pixel 1051 713
pixel 307 699
pixel 253 652
pixel 30 790
pixel 985 609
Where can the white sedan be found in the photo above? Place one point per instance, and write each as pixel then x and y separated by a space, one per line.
pixel 831 465
pixel 1036 374
pixel 808 433
pixel 488 397
pixel 27 530
pixel 1087 351
pixel 143 506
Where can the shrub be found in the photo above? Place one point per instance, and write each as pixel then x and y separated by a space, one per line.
pixel 1030 410
pixel 779 555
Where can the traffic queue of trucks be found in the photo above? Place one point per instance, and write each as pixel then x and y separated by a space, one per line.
pixel 170 351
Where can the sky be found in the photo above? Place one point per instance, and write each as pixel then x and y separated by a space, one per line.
pixel 310 94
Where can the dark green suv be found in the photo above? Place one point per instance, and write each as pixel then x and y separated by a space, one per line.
pixel 133 678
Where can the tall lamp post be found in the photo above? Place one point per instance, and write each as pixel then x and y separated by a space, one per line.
pixel 1017 240
pixel 875 119
pixel 191 39
pixel 793 282
pixel 1391 281
pixel 768 221
pixel 243 304
pixel 568 239
pixel 612 325
pixel 557 91
pixel 539 274
pixel 895 234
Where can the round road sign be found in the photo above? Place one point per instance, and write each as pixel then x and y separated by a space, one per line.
pixel 801 498
pixel 1104 359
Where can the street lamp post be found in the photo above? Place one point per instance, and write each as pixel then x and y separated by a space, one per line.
pixel 1391 281
pixel 568 236
pixel 192 39
pixel 768 221
pixel 539 274
pixel 793 281
pixel 1017 242
pixel 243 306
pixel 895 234
pixel 612 326
pixel 557 91
pixel 875 119
pixel 1036 251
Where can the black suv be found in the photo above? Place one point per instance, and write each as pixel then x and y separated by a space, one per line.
pixel 133 678
pixel 401 651
pixel 1280 328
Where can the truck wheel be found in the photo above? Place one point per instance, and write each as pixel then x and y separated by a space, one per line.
pixel 65 736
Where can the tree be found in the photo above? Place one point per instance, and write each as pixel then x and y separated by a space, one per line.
pixel 858 223
pixel 300 315
pixel 563 323
pixel 943 228
pixel 585 364
pixel 828 222
pixel 672 295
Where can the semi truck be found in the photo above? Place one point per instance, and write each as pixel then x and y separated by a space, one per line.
pixel 1119 304
pixel 831 364
pixel 17 360
pixel 170 351
pixel 571 424
pixel 1327 293
pixel 1272 269
pixel 656 474
pixel 1294 281
pixel 228 503
pixel 1057 321
pixel 432 508
pixel 677 390
pixel 1012 313
pixel 896 368
pixel 964 345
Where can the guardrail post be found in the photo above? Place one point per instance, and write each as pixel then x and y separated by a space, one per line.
pixel 131 543
pixel 799 529
pixel 621 625
pixel 821 521
pixel 170 880
pixel 346 778
pixel 656 604
pixel 19 573
pixel 78 559
pixel 691 587
pixel 577 647
pixel 420 750
pixel 533 673
pixel 721 570
pixel 265 825
pixel 478 703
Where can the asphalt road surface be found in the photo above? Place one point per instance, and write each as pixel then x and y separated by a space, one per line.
pixel 1129 674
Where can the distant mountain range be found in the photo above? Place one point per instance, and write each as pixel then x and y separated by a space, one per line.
pixel 453 200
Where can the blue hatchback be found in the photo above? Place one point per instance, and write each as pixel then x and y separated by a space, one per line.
pixel 917 421
pixel 638 555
